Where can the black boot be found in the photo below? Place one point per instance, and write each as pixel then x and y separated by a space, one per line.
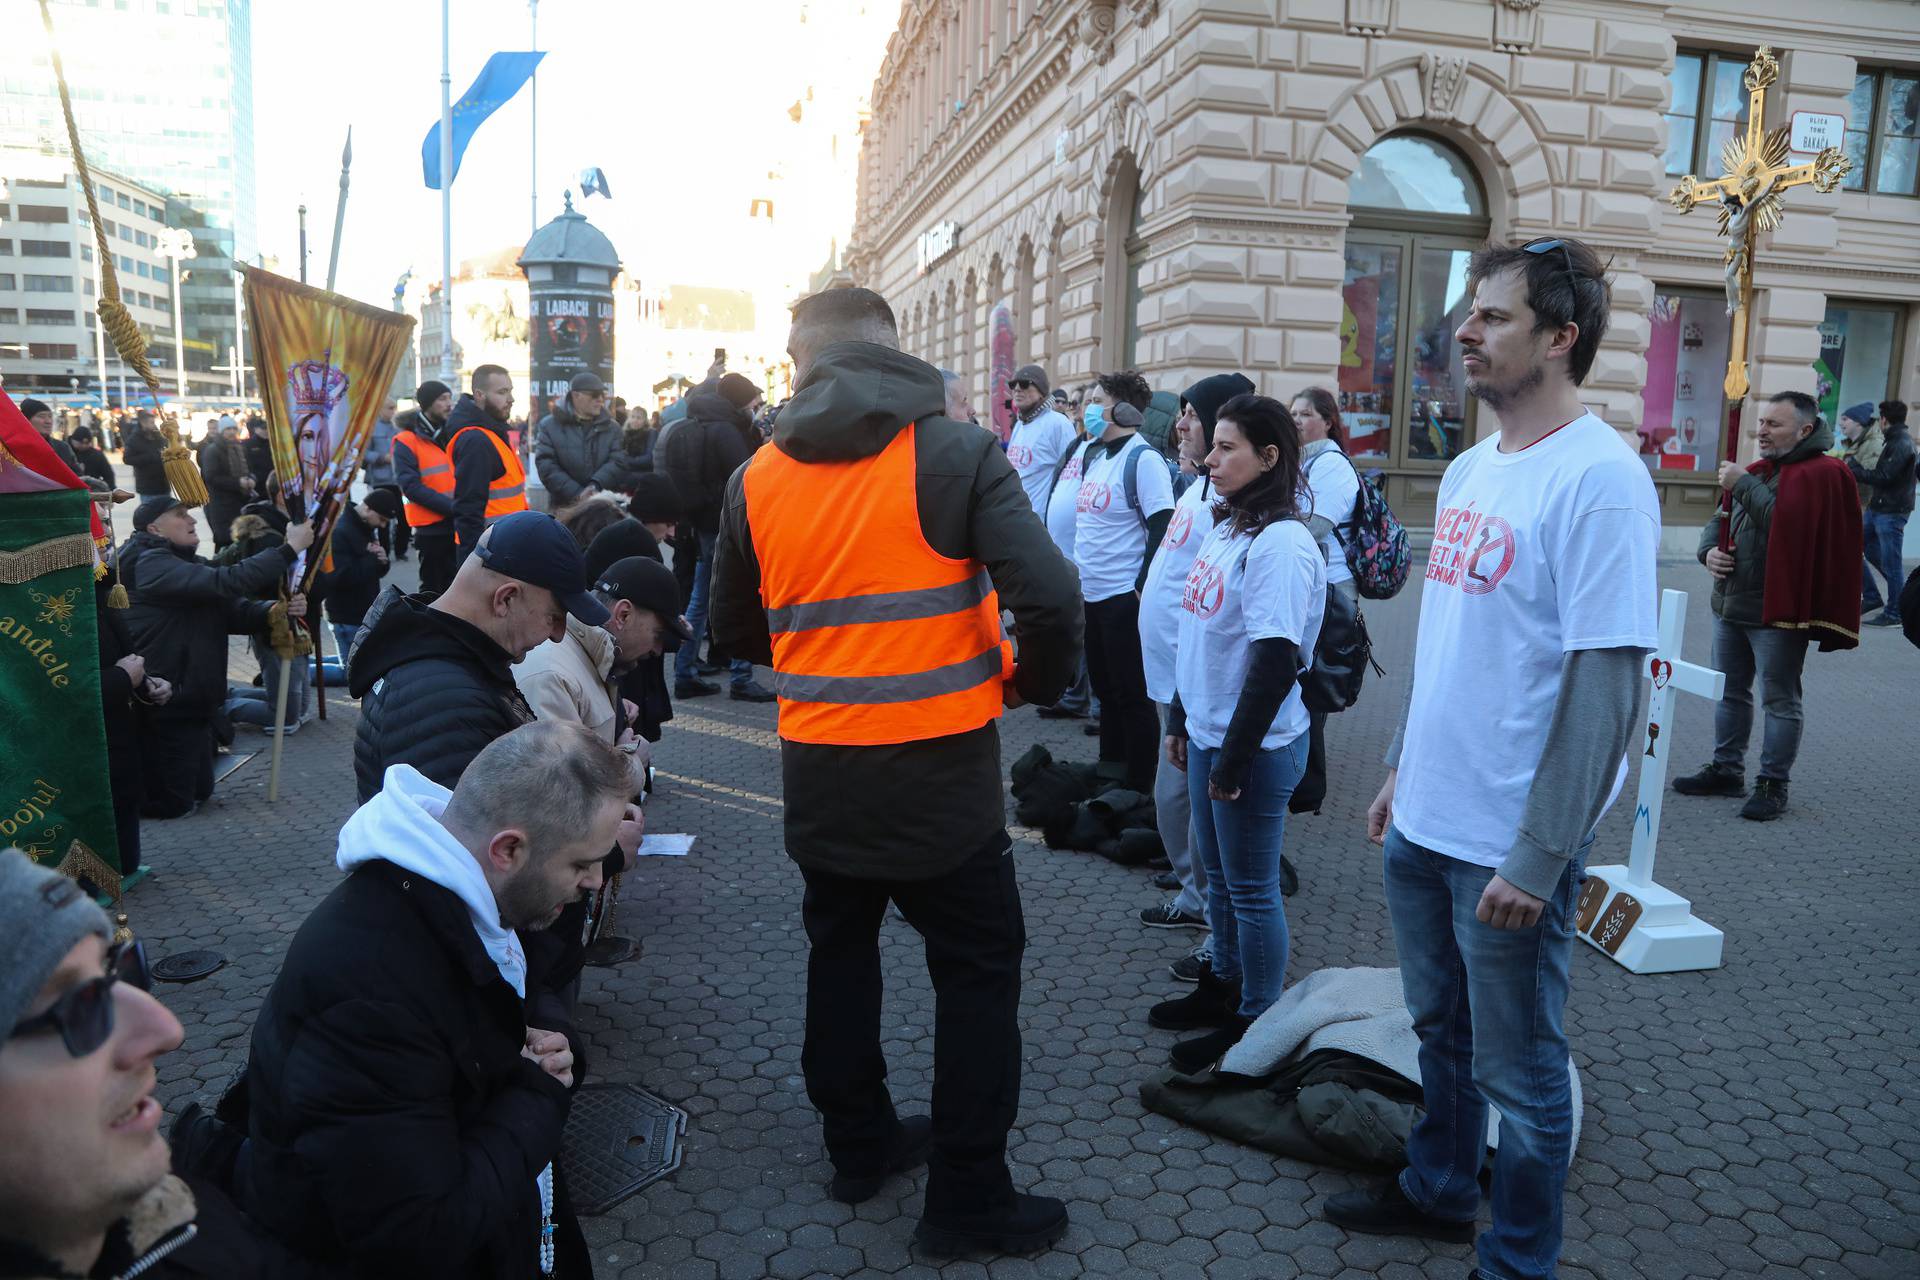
pixel 1769 801
pixel 1383 1209
pixel 1029 1223
pixel 906 1150
pixel 1201 1052
pixel 1214 1003
pixel 1714 780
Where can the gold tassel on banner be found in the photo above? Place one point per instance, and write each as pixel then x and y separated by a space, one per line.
pixel 288 640
pixel 115 321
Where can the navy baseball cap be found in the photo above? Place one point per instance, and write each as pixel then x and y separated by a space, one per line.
pixel 531 547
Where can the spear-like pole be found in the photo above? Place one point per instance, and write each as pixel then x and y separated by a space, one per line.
pixel 340 210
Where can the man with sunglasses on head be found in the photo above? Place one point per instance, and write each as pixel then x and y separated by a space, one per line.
pixel 1538 613
pixel 1041 435
pixel 84 1186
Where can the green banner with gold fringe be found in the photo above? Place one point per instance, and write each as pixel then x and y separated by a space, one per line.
pixel 53 748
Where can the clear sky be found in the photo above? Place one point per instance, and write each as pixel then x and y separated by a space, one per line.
pixel 684 105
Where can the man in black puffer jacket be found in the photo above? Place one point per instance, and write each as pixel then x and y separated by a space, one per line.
pixel 183 610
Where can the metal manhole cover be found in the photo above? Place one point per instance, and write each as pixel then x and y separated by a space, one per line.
pixel 188 966
pixel 619 1139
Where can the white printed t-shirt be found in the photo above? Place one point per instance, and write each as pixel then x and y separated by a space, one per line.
pixel 1034 449
pixel 1059 510
pixel 1166 583
pixel 1330 487
pixel 1535 554
pixel 1240 590
pixel 1110 536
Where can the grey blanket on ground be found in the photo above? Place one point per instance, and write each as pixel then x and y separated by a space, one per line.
pixel 1357 1017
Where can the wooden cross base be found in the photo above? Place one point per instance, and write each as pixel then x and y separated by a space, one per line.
pixel 1644 927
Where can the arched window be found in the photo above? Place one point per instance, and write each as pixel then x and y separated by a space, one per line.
pixel 1418 212
pixel 1120 272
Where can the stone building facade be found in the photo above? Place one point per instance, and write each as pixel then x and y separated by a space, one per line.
pixel 1291 188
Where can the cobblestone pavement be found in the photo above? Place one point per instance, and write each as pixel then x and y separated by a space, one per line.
pixel 1759 1120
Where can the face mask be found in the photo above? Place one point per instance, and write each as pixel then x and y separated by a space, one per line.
pixel 1095 417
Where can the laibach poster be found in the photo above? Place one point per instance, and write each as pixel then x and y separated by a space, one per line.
pixel 571 333
pixel 325 363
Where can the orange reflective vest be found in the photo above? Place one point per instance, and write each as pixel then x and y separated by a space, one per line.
pixel 436 472
pixel 877 638
pixel 507 493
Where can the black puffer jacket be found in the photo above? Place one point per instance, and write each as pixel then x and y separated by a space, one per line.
pixel 349 588
pixel 434 690
pixel 1891 480
pixel 570 454
pixel 393 1122
pixel 183 610
pixel 701 453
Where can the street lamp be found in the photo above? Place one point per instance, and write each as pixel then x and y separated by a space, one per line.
pixel 177 243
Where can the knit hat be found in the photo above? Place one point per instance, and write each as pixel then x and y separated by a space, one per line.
pixel 1861 413
pixel 656 497
pixel 42 915
pixel 430 391
pixel 384 501
pixel 1032 373
pixel 619 541
pixel 29 407
pixel 739 390
pixel 1207 395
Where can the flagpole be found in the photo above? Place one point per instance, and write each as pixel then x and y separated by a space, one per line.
pixel 340 213
pixel 448 372
pixel 533 158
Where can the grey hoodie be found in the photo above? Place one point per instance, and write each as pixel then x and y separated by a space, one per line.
pixel 919 809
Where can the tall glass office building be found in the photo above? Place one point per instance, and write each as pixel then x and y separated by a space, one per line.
pixel 163 92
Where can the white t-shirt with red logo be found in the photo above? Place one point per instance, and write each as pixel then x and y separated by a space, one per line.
pixel 1239 590
pixel 1167 581
pixel 1059 510
pixel 1034 449
pixel 1535 554
pixel 1110 535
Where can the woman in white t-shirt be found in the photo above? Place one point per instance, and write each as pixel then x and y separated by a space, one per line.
pixel 1329 491
pixel 1250 615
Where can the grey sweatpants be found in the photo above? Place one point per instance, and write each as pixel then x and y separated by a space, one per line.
pixel 1173 814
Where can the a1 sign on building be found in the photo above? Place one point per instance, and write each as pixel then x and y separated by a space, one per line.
pixel 936 242
pixel 1815 131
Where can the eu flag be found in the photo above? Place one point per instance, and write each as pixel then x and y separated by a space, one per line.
pixel 497 82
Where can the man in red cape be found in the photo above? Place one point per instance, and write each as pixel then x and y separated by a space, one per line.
pixel 1784 552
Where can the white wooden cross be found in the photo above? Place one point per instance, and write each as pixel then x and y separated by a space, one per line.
pixel 1621 910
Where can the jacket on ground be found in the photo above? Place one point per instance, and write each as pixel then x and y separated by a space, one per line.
pixel 182 610
pixel 570 454
pixel 918 809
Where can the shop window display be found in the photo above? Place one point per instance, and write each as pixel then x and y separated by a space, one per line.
pixel 1683 423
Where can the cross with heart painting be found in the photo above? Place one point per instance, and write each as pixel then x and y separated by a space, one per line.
pixel 1621 910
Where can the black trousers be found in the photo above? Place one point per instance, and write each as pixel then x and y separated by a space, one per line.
pixel 123 777
pixel 975 935
pixel 399 530
pixel 1129 725
pixel 436 558
pixel 221 512
pixel 177 765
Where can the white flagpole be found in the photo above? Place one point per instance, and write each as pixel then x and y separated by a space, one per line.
pixel 533 158
pixel 448 373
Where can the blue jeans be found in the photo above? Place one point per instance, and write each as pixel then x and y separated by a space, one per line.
pixel 686 663
pixel 1488 1006
pixel 336 667
pixel 1778 657
pixel 1884 534
pixel 254 706
pixel 1239 845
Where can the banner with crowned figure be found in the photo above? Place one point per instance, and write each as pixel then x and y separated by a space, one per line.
pixel 325 364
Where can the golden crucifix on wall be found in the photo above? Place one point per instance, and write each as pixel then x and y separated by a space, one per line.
pixel 1755 174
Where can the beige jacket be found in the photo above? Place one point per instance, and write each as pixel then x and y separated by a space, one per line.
pixel 572 679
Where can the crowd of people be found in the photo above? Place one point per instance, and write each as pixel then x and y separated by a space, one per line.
pixel 1182 571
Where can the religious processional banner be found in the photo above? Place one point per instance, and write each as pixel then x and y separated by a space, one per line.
pixel 54 787
pixel 325 365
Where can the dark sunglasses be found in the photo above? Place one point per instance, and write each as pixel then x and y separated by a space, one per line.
pixel 84 1015
pixel 1021 384
pixel 1538 247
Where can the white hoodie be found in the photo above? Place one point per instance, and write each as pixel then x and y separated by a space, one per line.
pixel 401 825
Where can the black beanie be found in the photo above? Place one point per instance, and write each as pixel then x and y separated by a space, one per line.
pixel 616 542
pixel 30 407
pixel 656 498
pixel 739 390
pixel 429 392
pixel 1207 395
